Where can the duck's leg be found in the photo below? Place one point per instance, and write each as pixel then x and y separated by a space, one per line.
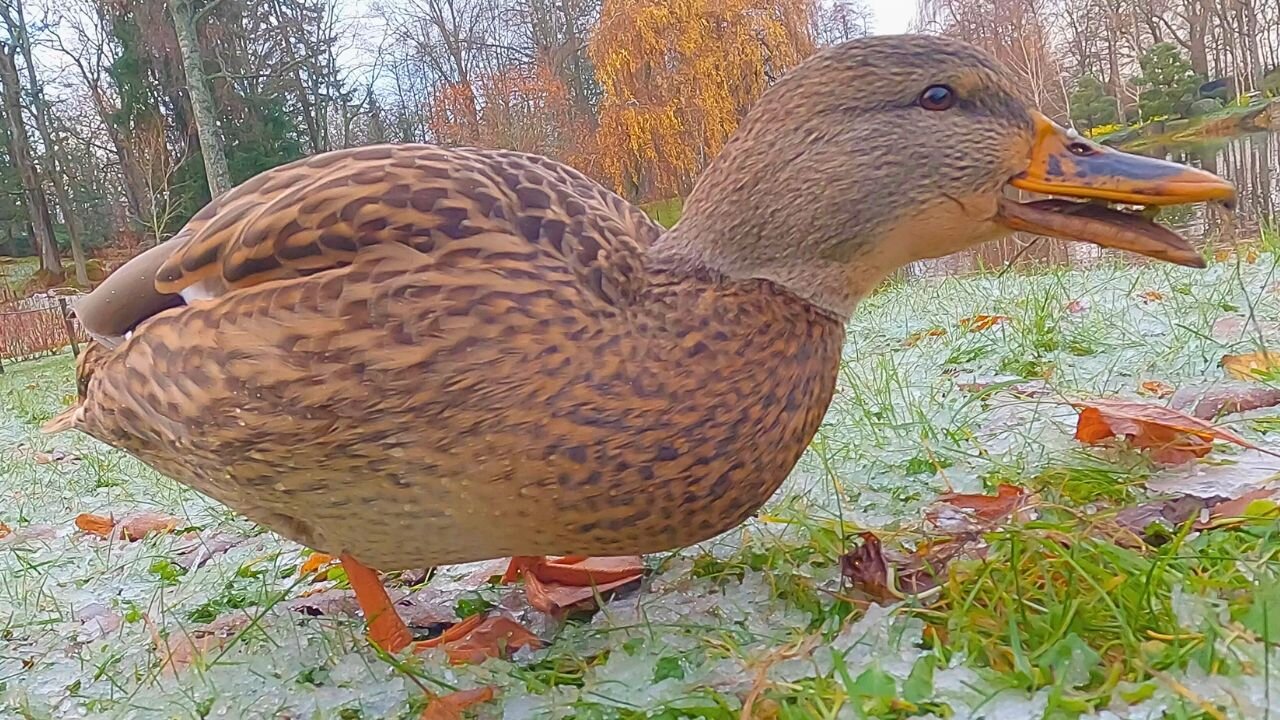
pixel 385 626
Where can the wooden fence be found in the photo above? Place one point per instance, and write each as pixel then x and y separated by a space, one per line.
pixel 36 326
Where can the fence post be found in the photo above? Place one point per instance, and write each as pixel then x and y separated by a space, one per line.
pixel 66 322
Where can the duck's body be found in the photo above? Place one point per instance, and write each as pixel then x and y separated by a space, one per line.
pixel 409 355
pixel 443 394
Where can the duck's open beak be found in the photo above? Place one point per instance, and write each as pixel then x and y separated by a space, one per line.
pixel 1067 166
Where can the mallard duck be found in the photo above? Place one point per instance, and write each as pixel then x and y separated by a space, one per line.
pixel 409 355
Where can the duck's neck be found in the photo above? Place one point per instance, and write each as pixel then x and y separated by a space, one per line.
pixel 772 207
pixel 833 287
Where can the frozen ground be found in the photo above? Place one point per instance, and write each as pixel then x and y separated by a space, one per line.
pixel 1094 630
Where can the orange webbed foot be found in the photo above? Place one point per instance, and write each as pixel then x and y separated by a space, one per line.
pixel 386 629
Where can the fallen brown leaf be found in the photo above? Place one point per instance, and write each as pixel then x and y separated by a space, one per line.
pixel 867 570
pixel 885 577
pixel 1155 388
pixel 199 550
pixel 978 323
pixel 183 648
pixel 1251 366
pixel 1151 296
pixel 136 527
pixel 925 568
pixel 1208 403
pixel 132 528
pixel 314 562
pixel 1169 514
pixel 914 338
pixel 1239 510
pixel 5 531
pixel 957 512
pixel 452 705
pixel 1077 306
pixel 557 599
pixel 589 570
pixel 1172 436
pixel 95 524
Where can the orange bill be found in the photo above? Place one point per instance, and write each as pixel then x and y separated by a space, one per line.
pixel 1065 165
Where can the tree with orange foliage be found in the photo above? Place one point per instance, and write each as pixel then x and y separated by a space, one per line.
pixel 678 75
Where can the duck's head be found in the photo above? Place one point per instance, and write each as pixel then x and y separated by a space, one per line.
pixel 886 150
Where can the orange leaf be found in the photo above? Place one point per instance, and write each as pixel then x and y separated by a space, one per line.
pixel 95 524
pixel 978 323
pixel 1172 436
pixel 1151 296
pixel 451 706
pixel 1155 388
pixel 4 530
pixel 1005 502
pixel 132 528
pixel 314 562
pixel 1251 366
pixel 915 337
pixel 493 637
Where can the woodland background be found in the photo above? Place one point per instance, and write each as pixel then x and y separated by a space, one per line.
pixel 121 118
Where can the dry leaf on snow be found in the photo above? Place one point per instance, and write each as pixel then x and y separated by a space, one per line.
pixel 867 570
pixel 1151 296
pixel 1155 388
pixel 1207 403
pixel 452 706
pixel 1259 504
pixel 885 577
pixel 1172 436
pixel 315 562
pixel 958 512
pixel 558 585
pixel 132 528
pixel 915 337
pixel 95 524
pixel 1252 366
pixel 978 323
pixel 183 647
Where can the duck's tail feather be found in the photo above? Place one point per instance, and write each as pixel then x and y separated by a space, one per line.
pixel 93 355
pixel 65 420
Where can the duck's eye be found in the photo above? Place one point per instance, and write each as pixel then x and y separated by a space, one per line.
pixel 1081 149
pixel 937 97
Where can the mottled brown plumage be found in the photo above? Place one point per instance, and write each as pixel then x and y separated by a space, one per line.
pixel 419 355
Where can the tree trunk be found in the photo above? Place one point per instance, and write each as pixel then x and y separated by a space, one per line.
pixel 202 105
pixel 20 152
pixel 1197 36
pixel 52 163
pixel 1115 83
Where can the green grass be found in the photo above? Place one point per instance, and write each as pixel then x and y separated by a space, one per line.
pixel 664 212
pixel 1064 616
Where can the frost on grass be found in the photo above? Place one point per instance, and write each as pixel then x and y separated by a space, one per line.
pixel 929 402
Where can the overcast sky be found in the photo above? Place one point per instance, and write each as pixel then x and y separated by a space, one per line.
pixel 892 16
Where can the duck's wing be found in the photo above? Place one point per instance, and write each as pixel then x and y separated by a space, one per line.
pixel 478 224
pixel 318 213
